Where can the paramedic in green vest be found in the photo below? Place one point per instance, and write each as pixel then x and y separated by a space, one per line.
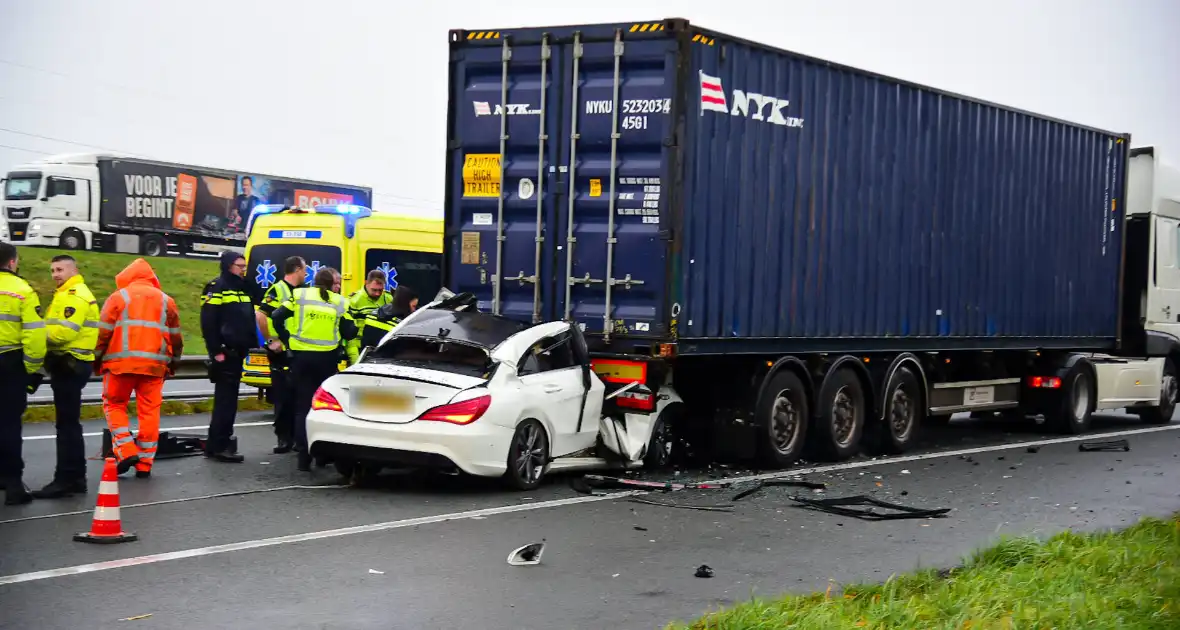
pixel 282 393
pixel 319 324
pixel 365 301
pixel 384 319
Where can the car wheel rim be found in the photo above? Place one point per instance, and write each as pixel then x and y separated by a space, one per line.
pixel 663 443
pixel 530 454
pixel 901 417
pixel 843 417
pixel 784 422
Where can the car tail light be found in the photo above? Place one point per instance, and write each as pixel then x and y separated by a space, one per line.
pixel 1044 382
pixel 324 400
pixel 464 412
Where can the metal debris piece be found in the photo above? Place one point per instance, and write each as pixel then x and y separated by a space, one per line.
pixel 841 506
pixel 811 485
pixel 527 555
pixel 137 617
pixel 704 571
pixel 666 486
pixel 1113 445
pixel 640 529
pixel 706 508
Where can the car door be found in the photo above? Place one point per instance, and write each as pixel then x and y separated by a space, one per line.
pixel 551 383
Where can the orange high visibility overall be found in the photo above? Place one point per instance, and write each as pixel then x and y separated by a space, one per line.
pixel 138 340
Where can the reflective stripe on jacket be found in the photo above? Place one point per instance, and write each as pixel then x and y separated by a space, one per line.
pixel 72 320
pixel 139 328
pixel 361 305
pixel 21 326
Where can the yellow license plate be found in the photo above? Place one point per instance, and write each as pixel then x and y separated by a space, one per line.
pixel 258 359
pixel 385 400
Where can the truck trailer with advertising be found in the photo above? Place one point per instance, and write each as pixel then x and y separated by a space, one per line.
pixel 121 204
pixel 806 253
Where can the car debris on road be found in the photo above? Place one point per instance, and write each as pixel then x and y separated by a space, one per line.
pixel 1112 445
pixel 843 507
pixel 527 555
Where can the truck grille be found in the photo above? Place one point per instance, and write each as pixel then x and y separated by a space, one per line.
pixel 19 213
pixel 17 231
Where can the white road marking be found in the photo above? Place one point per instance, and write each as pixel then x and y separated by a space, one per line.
pixel 205 427
pixel 219 495
pixel 296 538
pixel 525 507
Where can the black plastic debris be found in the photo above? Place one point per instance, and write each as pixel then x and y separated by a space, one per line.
pixel 1033 449
pixel 683 506
pixel 772 483
pixel 640 529
pixel 1112 445
pixel 666 486
pixel 704 571
pixel 845 507
pixel 170 445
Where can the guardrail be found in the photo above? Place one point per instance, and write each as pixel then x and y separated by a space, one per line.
pixel 188 368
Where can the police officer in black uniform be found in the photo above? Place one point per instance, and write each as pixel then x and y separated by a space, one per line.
pixel 282 393
pixel 229 329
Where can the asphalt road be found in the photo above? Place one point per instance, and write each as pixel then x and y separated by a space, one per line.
pixel 298 551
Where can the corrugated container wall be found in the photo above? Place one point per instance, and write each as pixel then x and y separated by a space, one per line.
pixel 682 184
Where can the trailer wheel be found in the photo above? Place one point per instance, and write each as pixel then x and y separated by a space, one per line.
pixel 903 413
pixel 1169 389
pixel 841 418
pixel 73 238
pixel 1076 404
pixel 154 245
pixel 782 415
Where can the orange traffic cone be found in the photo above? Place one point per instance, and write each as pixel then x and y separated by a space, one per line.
pixel 107 528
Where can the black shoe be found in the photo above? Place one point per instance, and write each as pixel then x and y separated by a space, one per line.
pixel 17 493
pixel 126 464
pixel 304 463
pixel 227 457
pixel 143 474
pixel 59 488
pixel 285 445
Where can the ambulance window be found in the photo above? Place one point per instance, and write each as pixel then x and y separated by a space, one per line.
pixel 421 271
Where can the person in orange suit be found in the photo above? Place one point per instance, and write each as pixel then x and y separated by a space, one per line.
pixel 139 344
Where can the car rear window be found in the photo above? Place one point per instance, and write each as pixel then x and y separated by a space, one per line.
pixel 433 354
pixel 480 329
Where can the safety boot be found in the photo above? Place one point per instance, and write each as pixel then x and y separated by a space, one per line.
pixel 16 492
pixel 59 488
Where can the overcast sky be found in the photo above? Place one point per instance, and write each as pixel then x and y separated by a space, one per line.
pixel 363 82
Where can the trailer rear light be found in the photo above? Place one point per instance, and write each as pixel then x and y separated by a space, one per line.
pixel 1044 382
pixel 464 412
pixel 618 371
pixel 324 400
pixel 636 400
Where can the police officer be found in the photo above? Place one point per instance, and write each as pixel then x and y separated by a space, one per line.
pixel 364 301
pixel 22 352
pixel 320 323
pixel 228 326
pixel 384 319
pixel 71 325
pixel 282 394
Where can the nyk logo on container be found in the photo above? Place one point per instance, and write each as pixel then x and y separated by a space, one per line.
pixel 482 108
pixel 749 104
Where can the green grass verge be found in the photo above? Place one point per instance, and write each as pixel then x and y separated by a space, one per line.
pixel 182 278
pixel 45 413
pixel 1129 580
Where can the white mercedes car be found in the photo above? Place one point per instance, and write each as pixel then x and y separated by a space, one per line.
pixel 455 389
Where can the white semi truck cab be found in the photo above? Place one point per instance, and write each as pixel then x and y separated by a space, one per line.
pixel 53 202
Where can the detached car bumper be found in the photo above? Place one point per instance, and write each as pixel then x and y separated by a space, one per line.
pixel 480 448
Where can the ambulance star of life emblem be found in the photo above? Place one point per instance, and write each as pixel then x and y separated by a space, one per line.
pixel 266 274
pixel 312 270
pixel 390 275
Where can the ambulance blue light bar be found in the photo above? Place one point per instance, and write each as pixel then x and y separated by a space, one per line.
pixel 350 213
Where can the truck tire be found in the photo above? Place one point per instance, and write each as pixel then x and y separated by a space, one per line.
pixel 1169 389
pixel 154 245
pixel 841 418
pixel 896 432
pixel 782 416
pixel 73 239
pixel 1076 405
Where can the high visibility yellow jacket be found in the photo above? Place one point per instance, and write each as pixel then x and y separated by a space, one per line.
pixel 21 326
pixel 360 306
pixel 71 323
pixel 317 325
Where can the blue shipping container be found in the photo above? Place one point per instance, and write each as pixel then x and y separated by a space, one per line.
pixel 657 182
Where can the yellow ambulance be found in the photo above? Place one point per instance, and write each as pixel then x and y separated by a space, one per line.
pixel 353 239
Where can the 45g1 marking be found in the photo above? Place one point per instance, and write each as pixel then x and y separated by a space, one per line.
pixel 634 122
